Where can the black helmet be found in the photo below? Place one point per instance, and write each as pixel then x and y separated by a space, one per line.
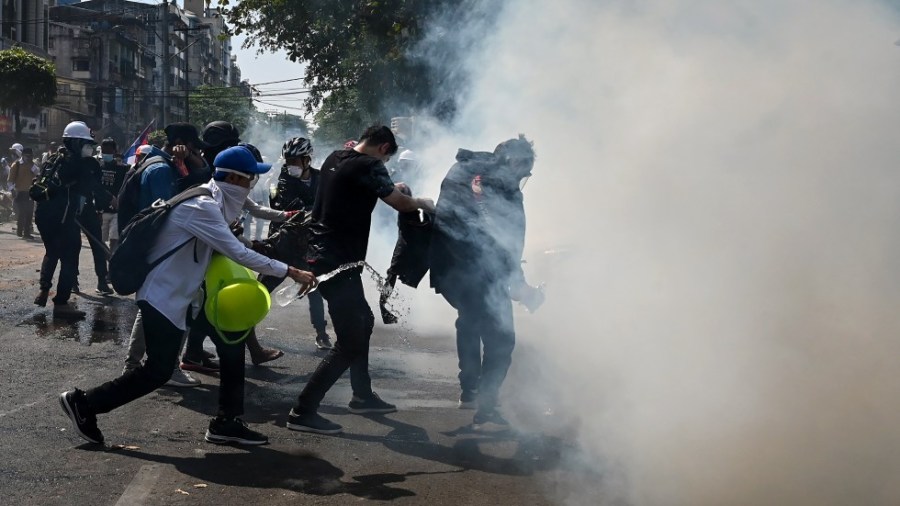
pixel 296 148
pixel 221 134
pixel 252 148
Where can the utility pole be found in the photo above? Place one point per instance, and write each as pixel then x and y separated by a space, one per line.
pixel 187 82
pixel 165 63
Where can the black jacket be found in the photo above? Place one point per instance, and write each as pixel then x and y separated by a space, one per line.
pixel 78 180
pixel 479 225
pixel 292 194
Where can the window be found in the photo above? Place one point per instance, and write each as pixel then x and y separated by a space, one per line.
pixel 81 65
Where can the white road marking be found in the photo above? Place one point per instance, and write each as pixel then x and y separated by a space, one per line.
pixel 140 487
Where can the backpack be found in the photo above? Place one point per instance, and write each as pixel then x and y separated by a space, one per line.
pixel 47 184
pixel 130 193
pixel 128 265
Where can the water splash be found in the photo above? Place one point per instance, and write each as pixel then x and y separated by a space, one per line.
pixel 292 292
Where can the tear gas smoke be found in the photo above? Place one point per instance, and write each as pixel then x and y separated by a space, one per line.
pixel 719 183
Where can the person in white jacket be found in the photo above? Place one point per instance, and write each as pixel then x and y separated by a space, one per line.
pixel 171 290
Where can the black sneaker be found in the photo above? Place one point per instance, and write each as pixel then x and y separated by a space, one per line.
pixel 83 421
pixel 484 418
pixel 372 404
pixel 468 399
pixel 233 430
pixel 41 299
pixel 312 422
pixel 323 341
pixel 103 289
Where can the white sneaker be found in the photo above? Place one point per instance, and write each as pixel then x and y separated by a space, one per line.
pixel 182 379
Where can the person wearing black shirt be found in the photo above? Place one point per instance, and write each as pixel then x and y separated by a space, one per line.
pixel 112 176
pixel 296 191
pixel 352 181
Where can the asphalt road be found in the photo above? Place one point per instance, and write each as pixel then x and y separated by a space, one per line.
pixel 426 453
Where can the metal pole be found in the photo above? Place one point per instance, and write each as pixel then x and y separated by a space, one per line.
pixel 165 63
pixel 187 83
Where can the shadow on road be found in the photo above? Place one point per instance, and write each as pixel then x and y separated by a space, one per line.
pixel 289 469
pixel 532 453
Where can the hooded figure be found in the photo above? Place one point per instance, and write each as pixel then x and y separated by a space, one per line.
pixel 476 254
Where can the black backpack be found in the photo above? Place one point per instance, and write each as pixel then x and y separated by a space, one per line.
pixel 130 193
pixel 128 265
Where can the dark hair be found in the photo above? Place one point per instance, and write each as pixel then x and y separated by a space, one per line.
pixel 27 151
pixel 108 142
pixel 378 135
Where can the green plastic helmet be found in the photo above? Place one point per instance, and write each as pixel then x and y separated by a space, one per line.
pixel 235 300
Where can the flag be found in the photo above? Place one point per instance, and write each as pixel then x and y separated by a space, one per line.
pixel 143 138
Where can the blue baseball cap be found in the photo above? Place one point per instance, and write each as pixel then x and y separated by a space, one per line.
pixel 240 159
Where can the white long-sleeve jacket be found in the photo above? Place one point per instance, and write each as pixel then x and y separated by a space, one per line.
pixel 174 284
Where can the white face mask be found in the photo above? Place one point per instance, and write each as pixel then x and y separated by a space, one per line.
pixel 295 170
pixel 87 151
pixel 234 199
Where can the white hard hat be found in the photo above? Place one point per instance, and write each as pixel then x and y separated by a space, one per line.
pixel 407 154
pixel 78 130
pixel 18 147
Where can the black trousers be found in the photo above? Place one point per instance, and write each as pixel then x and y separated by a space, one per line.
pixel 92 223
pixel 163 341
pixel 62 245
pixel 353 323
pixel 484 317
pixel 24 213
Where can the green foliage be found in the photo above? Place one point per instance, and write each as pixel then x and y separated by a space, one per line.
pixel 339 119
pixel 157 138
pixel 357 50
pixel 27 82
pixel 210 103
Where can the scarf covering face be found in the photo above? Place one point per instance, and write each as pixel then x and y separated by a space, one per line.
pixel 233 199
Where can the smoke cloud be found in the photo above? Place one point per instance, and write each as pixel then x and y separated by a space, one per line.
pixel 714 209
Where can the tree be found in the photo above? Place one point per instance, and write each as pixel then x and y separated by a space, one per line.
pixel 372 56
pixel 27 83
pixel 211 103
pixel 157 138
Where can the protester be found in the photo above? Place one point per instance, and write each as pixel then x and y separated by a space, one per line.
pixel 218 136
pixel 166 296
pixel 112 175
pixel 21 176
pixel 352 181
pixel 67 183
pixel 195 357
pixel 52 149
pixel 91 224
pixel 159 178
pixel 5 179
pixel 296 191
pixel 477 242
